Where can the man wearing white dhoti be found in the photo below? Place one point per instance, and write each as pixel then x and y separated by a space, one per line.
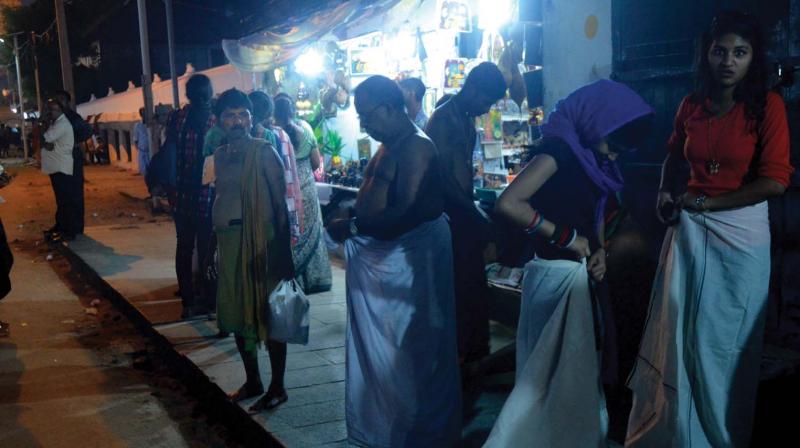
pixel 402 381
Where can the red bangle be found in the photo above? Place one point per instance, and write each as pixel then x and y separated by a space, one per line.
pixel 534 221
pixel 565 234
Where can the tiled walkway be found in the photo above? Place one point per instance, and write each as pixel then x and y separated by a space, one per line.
pixel 138 262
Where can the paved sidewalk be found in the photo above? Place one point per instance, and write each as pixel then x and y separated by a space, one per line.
pixel 137 261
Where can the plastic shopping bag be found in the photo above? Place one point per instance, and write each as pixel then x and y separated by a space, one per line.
pixel 288 314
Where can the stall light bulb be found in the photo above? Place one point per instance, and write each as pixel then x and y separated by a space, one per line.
pixel 309 63
pixel 495 13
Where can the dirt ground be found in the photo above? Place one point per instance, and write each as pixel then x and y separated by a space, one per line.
pixel 113 196
pixel 106 384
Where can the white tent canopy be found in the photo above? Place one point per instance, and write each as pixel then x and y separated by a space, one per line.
pixel 124 106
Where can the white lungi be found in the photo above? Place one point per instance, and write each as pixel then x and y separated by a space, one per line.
pixel 557 399
pixel 402 378
pixel 695 380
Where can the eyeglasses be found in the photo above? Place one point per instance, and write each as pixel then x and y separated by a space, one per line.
pixel 367 116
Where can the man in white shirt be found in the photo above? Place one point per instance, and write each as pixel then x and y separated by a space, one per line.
pixel 413 92
pixel 141 137
pixel 58 164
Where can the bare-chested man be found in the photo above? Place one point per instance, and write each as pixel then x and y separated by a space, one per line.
pixel 402 363
pixel 452 129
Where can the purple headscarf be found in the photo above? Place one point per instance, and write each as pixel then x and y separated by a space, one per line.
pixel 589 114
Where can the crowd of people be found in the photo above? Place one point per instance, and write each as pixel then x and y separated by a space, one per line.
pixel 416 288
pixel 417 295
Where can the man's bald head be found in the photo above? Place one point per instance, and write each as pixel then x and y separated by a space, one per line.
pixel 380 106
pixel 380 89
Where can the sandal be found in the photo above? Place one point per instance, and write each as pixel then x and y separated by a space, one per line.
pixel 270 400
pixel 245 392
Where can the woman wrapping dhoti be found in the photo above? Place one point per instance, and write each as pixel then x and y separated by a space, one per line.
pixel 695 379
pixel 559 199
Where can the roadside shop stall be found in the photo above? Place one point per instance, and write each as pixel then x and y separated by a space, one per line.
pixel 320 57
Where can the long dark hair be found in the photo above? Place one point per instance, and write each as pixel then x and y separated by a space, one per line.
pixel 284 112
pixel 752 90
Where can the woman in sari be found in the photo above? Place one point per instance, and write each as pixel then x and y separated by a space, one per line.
pixel 694 382
pixel 312 264
pixel 263 108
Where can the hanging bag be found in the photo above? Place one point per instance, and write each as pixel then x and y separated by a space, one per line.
pixel 288 313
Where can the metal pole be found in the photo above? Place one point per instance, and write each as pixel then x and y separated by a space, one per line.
pixel 176 100
pixel 36 74
pixel 10 84
pixel 63 49
pixel 147 77
pixel 21 109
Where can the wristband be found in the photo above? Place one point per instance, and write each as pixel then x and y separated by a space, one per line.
pixel 700 202
pixel 572 239
pixel 563 236
pixel 535 223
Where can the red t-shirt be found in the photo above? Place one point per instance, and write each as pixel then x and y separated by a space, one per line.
pixel 731 140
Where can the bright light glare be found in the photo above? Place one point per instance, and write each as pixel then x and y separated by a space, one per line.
pixel 495 13
pixel 309 63
pixel 403 45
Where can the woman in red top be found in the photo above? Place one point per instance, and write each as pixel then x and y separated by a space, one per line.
pixel 695 379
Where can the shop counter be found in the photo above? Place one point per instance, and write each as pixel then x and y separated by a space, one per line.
pixel 335 199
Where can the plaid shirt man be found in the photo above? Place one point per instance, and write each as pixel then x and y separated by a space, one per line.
pixel 192 197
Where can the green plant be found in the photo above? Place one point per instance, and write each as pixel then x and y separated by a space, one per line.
pixel 332 143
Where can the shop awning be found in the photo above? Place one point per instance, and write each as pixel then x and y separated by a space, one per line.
pixel 283 41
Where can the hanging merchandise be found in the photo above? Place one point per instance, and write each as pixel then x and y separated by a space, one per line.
pixel 492 126
pixel 454 15
pixel 303 103
pixel 510 60
pixel 455 73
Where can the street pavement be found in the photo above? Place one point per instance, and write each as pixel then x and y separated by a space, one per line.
pixel 137 261
pixel 58 388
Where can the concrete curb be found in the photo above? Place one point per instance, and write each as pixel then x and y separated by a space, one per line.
pixel 249 432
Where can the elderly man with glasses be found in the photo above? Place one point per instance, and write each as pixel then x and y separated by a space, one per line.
pixel 401 363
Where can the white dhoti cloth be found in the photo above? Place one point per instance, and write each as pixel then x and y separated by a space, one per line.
pixel 402 378
pixel 695 380
pixel 557 399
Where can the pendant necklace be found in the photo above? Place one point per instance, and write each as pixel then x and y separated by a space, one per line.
pixel 713 165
